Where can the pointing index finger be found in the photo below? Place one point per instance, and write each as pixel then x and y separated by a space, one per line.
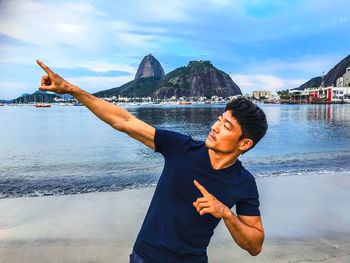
pixel 201 188
pixel 44 67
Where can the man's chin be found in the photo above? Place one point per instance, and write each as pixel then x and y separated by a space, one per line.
pixel 209 143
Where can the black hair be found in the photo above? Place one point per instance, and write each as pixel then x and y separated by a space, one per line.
pixel 250 117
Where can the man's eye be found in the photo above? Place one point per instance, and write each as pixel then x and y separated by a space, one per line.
pixel 227 126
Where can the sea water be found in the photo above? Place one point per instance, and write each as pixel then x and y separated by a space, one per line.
pixel 68 150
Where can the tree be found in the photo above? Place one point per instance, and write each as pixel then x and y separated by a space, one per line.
pixel 284 94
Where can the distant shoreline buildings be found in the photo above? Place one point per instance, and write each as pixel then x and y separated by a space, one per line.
pixel 331 94
pixel 263 94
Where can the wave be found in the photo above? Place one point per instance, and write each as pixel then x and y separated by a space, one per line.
pixel 296 157
pixel 78 178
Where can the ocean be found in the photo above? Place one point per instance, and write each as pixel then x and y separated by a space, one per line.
pixel 67 150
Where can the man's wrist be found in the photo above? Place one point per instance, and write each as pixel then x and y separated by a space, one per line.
pixel 227 214
pixel 72 89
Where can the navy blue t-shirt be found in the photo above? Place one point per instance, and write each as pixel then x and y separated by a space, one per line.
pixel 173 231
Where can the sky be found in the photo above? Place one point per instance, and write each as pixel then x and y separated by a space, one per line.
pixel 98 44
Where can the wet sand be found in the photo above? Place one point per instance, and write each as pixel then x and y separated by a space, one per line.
pixel 306 218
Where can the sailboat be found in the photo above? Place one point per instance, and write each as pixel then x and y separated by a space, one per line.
pixel 42 104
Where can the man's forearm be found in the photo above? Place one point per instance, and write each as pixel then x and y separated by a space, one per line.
pixel 248 238
pixel 108 112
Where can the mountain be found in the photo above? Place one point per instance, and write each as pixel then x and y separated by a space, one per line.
pixel 336 72
pixel 331 77
pixel 37 96
pixel 143 87
pixel 314 82
pixel 146 81
pixel 149 67
pixel 199 78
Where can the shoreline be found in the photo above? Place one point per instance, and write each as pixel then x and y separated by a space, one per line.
pixel 305 218
pixel 153 184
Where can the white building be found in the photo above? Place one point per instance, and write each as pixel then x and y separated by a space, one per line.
pixel 326 94
pixel 261 94
pixel 344 81
pixel 341 94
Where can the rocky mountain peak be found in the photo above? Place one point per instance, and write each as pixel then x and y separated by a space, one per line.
pixel 199 78
pixel 195 63
pixel 149 67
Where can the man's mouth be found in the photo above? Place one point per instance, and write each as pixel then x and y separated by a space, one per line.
pixel 211 136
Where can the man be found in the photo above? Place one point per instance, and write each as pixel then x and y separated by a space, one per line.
pixel 200 182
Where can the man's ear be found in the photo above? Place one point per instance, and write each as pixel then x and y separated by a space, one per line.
pixel 245 144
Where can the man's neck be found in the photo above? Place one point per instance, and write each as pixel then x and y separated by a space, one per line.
pixel 221 160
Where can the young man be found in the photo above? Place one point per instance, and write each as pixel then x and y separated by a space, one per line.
pixel 200 182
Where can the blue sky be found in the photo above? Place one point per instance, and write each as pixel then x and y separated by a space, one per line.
pixel 263 45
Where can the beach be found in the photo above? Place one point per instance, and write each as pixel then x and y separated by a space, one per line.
pixel 101 100
pixel 305 217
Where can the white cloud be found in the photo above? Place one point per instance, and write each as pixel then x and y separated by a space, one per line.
pixel 137 40
pixel 249 83
pixel 160 10
pixel 78 25
pixel 102 66
pixel 11 90
pixel 71 35
pixel 95 84
pixel 28 55
pixel 37 23
pixel 220 3
pixel 93 65
pixel 310 65
pixel 267 74
pixel 73 29
pixel 83 7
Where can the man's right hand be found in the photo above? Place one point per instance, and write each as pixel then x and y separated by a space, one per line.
pixel 54 82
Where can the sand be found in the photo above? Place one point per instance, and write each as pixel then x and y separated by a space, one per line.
pixel 306 219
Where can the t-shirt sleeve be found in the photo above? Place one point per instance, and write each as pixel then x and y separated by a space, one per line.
pixel 167 142
pixel 249 204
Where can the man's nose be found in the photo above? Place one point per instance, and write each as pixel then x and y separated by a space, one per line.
pixel 215 126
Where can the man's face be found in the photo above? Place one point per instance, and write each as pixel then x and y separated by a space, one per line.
pixel 225 134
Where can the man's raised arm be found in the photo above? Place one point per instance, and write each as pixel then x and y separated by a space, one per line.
pixel 119 118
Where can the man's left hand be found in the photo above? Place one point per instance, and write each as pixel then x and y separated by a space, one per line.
pixel 208 204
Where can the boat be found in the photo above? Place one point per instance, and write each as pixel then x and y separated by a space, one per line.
pixel 185 103
pixel 1 104
pixel 42 105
